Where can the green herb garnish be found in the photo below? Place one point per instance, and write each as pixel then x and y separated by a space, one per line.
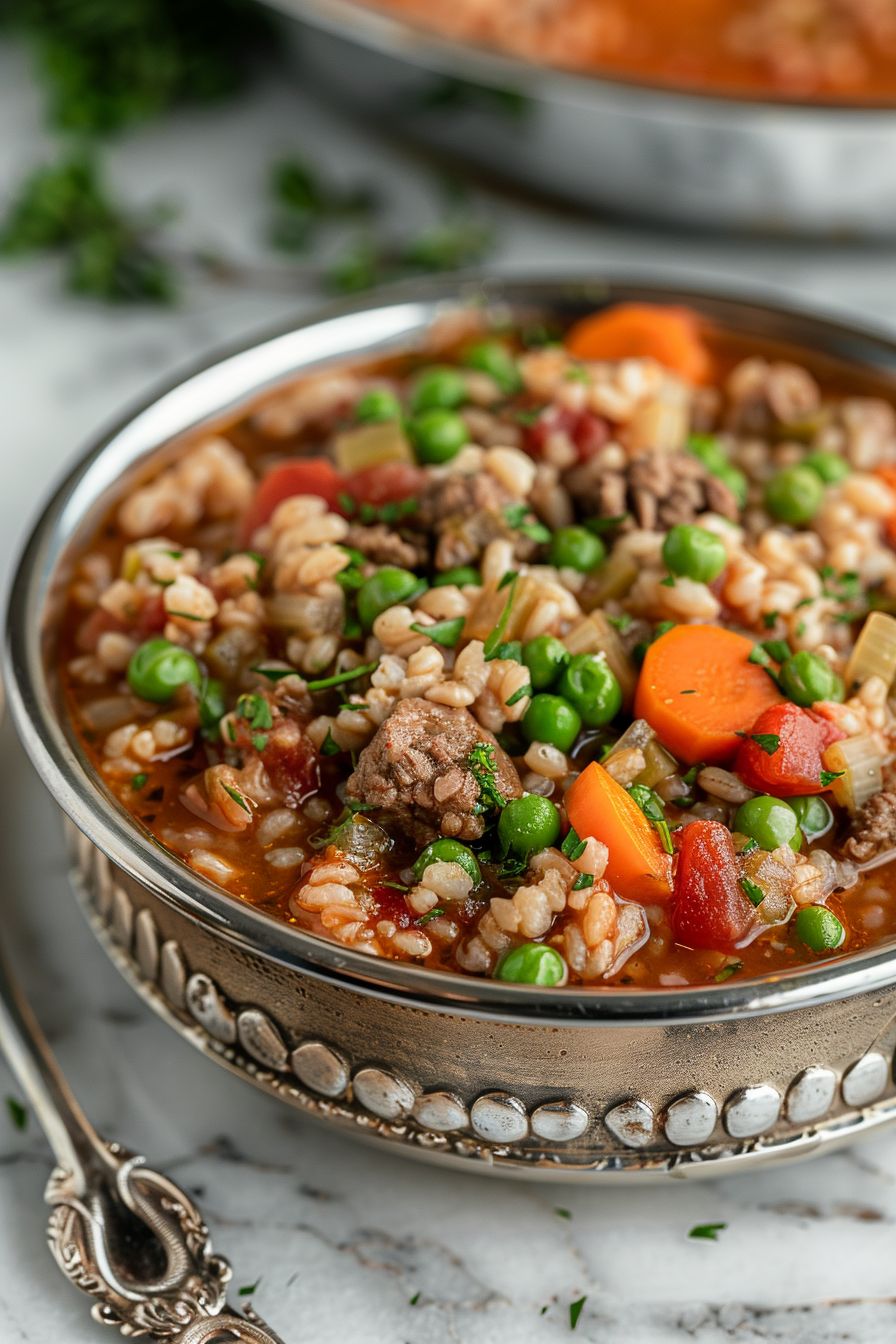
pixel 707 1231
pixel 573 846
pixel 575 1311
pixel 519 517
pixel 329 746
pixel 17 1112
pixel 828 776
pixel 484 769
pixel 493 640
pixel 237 798
pixel 752 890
pixel 138 781
pixel 446 633
pixel 339 678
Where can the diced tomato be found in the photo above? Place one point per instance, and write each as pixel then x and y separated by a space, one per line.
pixel 392 905
pixel 291 761
pixel 152 615
pixel 888 475
pixel 311 476
pixel 786 760
pixel 99 622
pixel 709 908
pixel 384 484
pixel 588 432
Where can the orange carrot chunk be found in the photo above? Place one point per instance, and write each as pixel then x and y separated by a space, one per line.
pixel 697 690
pixel 638 869
pixel 888 475
pixel 671 336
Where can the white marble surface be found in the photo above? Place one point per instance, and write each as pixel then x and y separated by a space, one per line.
pixel 343 1237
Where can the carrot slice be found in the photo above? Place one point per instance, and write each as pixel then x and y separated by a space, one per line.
pixel 697 691
pixel 637 868
pixel 888 475
pixel 643 330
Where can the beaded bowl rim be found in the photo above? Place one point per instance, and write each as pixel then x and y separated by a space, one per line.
pixel 387 321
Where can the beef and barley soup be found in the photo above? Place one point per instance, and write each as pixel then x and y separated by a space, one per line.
pixel 555 657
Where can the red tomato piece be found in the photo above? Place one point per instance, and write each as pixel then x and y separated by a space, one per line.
pixel 291 761
pixel 793 766
pixel 384 484
pixel 392 905
pixel 152 616
pixel 311 476
pixel 588 432
pixel 709 908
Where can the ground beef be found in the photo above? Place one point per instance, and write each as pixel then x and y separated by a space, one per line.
pixel 466 513
pixel 656 490
pixel 416 771
pixel 873 829
pixel 384 546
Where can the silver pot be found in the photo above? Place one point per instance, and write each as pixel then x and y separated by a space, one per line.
pixel 692 159
pixel 595 1084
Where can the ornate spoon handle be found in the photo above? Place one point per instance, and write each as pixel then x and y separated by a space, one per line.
pixel 118 1230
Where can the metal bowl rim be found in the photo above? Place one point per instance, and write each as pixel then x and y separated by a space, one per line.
pixel 88 805
pixel 363 26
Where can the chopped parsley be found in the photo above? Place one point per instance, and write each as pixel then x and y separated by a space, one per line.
pixel 493 640
pixel 778 649
pixel 508 578
pixel 238 798
pixel 759 655
pixel 727 971
pixel 484 770
pixel 562 1213
pixel 770 619
pixel 255 710
pixel 430 914
pixel 276 673
pixel 329 746
pixel 621 623
pixel 606 524
pixel 707 1231
pixel 138 781
pixel 573 846
pixel 752 890
pixel 412 1301
pixel 248 1289
pixel 446 633
pixel 339 678
pixel 17 1112
pixel 519 517
pixel 652 807
pixel 768 742
pixel 518 695
pixel 575 1311
pixel 582 881
pixel 828 776
pixel 668 581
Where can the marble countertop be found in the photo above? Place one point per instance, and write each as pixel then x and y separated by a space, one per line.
pixel 342 1238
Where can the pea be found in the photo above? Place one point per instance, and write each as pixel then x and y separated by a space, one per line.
pixel 438 435
pixel 439 388
pixel 709 451
pixel 576 548
pixel 589 684
pixel 831 467
pixel 158 667
pixel 545 658
pixel 819 928
pixel 449 851
pixel 794 495
pixel 212 707
pixel 806 677
pixel 532 964
pixel 813 814
pixel 550 718
pixel 377 405
pixel 768 821
pixel 495 359
pixel 528 824
pixel 736 482
pixel 462 575
pixel 384 589
pixel 694 553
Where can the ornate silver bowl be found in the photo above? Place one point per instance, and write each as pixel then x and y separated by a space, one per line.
pixel 695 159
pixel 595 1085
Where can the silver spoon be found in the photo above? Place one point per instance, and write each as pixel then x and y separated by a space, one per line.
pixel 118 1230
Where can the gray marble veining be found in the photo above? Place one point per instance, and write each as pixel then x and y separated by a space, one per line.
pixel 343 1240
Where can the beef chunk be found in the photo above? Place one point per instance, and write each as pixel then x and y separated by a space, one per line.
pixel 384 546
pixel 873 829
pixel 466 513
pixel 416 770
pixel 656 490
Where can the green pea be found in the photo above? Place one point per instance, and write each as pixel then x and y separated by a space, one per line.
pixel 449 851
pixel 589 684
pixel 495 359
pixel 212 707
pixel 819 928
pixel 384 589
pixel 736 482
pixel 552 719
pixel 377 405
pixel 545 658
pixel 807 677
pixel 768 821
pixel 813 814
pixel 527 825
pixel 438 435
pixel 462 575
pixel 439 388
pixel 709 451
pixel 794 495
pixel 532 964
pixel 576 548
pixel 694 553
pixel 158 667
pixel 831 467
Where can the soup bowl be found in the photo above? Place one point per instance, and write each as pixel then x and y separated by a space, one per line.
pixel 596 1085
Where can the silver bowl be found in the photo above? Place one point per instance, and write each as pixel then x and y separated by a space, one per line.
pixel 687 158
pixel 596 1085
